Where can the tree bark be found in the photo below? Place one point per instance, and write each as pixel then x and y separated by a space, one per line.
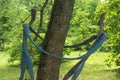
pixel 48 68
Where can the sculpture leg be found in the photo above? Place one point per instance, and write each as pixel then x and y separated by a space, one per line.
pixel 30 68
pixel 23 67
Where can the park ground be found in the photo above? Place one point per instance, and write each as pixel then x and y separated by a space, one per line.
pixel 94 69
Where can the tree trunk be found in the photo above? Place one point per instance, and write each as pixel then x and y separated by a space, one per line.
pixel 48 68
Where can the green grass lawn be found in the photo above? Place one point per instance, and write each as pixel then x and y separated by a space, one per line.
pixel 94 69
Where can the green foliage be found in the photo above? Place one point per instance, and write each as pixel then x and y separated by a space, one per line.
pixel 112 26
pixel 16 12
pixel 13 14
pixel 83 24
pixel 10 26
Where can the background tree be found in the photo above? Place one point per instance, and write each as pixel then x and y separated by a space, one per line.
pixel 112 25
pixel 55 39
pixel 82 25
pixel 16 15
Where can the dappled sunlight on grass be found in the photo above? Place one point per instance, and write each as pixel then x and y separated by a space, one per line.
pixel 3 59
pixel 9 73
pixel 97 72
pixel 94 69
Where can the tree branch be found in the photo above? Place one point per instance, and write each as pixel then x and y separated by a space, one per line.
pixel 41 18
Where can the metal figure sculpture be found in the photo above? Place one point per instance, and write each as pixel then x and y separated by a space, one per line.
pixel 26 61
pixel 76 70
